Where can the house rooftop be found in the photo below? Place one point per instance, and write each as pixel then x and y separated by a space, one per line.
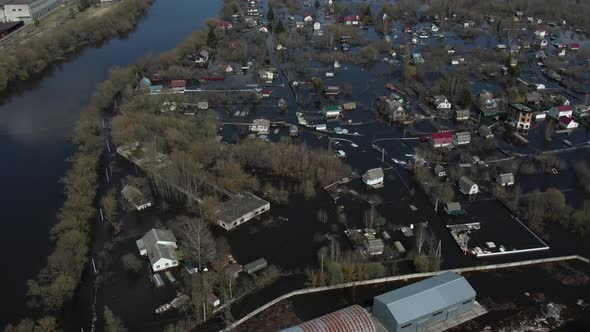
pixel 374 174
pixel 239 205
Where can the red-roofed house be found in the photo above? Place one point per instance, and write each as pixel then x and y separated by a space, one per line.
pixel 442 138
pixel 225 24
pixel 574 46
pixel 178 84
pixel 558 111
pixel 567 122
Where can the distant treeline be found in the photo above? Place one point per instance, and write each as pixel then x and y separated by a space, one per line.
pixel 32 57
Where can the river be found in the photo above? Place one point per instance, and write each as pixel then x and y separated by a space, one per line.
pixel 36 119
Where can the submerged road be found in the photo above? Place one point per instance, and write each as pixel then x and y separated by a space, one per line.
pixel 36 119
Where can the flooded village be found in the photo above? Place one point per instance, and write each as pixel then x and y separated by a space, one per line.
pixel 347 165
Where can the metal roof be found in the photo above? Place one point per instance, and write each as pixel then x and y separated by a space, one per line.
pixel 426 297
pixel 350 319
pixel 374 174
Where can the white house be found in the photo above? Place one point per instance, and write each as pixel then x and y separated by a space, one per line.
pixel 441 102
pixel 261 126
pixel 307 19
pixel 540 33
pixel 27 10
pixel 373 177
pixel 160 247
pixel 506 179
pixel 266 75
pixel 467 186
pixel 440 171
pixel 317 26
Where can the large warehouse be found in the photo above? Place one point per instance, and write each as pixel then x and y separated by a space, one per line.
pixel 415 307
pixel 350 319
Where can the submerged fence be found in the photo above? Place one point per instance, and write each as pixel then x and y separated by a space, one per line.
pixel 400 277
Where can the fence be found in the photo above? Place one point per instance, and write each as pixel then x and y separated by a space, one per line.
pixel 397 278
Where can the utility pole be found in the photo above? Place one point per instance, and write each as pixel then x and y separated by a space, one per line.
pixel 383 154
pixel 204 317
pixel 230 295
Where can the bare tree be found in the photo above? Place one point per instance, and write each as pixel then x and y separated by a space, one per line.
pixel 421 236
pixel 199 242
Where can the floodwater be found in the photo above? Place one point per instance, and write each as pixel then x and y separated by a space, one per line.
pixel 36 119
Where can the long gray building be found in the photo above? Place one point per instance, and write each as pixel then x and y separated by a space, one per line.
pixel 415 307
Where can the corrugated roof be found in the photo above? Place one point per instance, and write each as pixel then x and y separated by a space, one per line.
pixel 350 319
pixel 426 297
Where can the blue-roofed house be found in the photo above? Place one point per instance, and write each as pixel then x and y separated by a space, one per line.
pixel 414 307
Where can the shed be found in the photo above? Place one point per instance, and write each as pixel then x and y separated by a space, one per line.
pixel 440 171
pixel 424 303
pixel 255 266
pixel 350 319
pixel 454 208
pixel 485 131
pixel 373 245
pixel 506 179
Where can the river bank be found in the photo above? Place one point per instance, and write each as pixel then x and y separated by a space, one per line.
pixel 36 121
pixel 35 55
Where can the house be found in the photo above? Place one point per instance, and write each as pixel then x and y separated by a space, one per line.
pixel 442 138
pixel 568 122
pixel 331 90
pixel 467 186
pixel 534 97
pixel 420 305
pixel 225 25
pixel 487 105
pixel 373 177
pixel 461 138
pixel 135 197
pixel 255 266
pixel 317 26
pixel 229 69
pixel 331 111
pixel 160 247
pixel 440 171
pixel 27 11
pixel 541 33
pixel 574 46
pixel 178 85
pixel 239 209
pixel 461 115
pixel 263 29
pixel 441 102
pixel 202 57
pixel 266 76
pixel 561 111
pixel 505 179
pixel 372 245
pixel 260 126
pixel 581 111
pixel 485 131
pixel 203 105
pixel 454 209
pixel 213 300
pixel 264 93
pixel 417 58
pixel 349 106
pixel 519 116
pixel 299 25
pixel 349 319
pixel 308 19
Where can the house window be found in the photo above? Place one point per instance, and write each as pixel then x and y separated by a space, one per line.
pixel 437 313
pixel 157 266
pixel 407 325
pixel 167 264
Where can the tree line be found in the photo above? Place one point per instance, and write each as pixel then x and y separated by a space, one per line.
pixel 34 56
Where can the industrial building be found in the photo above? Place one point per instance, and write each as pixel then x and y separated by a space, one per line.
pixel 350 319
pixel 26 10
pixel 417 306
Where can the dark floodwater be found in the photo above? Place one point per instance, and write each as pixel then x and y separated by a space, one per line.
pixel 36 119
